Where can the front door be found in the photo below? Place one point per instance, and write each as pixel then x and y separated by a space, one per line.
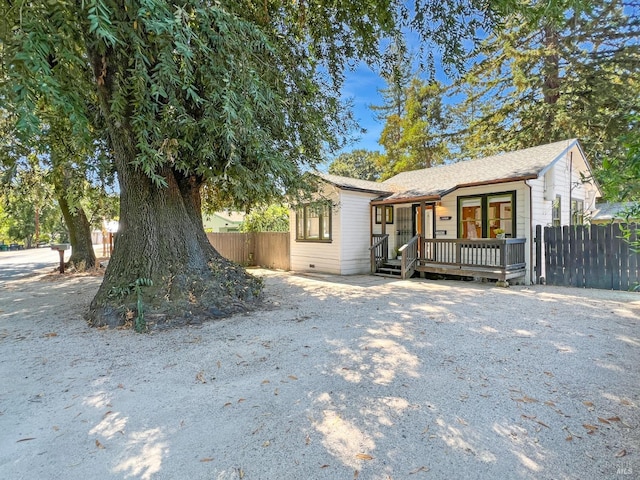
pixel 407 221
pixel 405 225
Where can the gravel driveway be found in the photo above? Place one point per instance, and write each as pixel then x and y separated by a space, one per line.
pixel 336 377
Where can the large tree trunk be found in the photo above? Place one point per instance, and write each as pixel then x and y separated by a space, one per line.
pixel 82 254
pixel 160 238
pixel 162 264
pixel 551 65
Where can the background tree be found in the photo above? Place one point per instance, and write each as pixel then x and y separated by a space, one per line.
pixel 620 176
pixel 569 74
pixel 68 159
pixel 362 164
pixel 240 96
pixel 266 218
pixel 417 138
pixel 30 211
pixel 397 73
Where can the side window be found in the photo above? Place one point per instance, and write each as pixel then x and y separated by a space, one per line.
pixel 577 212
pixel 313 222
pixel 556 212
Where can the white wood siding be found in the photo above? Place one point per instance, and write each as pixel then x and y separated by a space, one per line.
pixel 318 256
pixel 563 179
pixel 354 221
pixel 348 252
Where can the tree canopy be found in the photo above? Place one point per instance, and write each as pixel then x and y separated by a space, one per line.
pixel 362 164
pixel 570 74
pixel 241 97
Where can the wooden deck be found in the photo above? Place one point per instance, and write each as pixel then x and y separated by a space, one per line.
pixel 499 259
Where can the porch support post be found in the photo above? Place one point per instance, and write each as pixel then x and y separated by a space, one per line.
pixel 423 229
pixel 371 220
pixel 383 220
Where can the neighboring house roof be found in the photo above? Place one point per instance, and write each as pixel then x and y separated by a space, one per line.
pixel 235 217
pixel 438 181
pixel 611 211
pixel 355 184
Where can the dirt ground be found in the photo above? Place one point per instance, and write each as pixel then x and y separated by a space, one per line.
pixel 336 377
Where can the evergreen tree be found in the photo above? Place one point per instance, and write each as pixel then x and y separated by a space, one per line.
pixel 418 138
pixel 571 74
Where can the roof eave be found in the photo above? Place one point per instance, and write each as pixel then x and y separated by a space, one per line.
pixel 492 182
pixel 562 154
pixel 421 198
pixel 363 190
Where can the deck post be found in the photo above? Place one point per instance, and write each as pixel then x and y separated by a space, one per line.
pixel 422 232
pixel 383 220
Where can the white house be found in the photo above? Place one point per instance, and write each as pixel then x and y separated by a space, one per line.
pixel 472 218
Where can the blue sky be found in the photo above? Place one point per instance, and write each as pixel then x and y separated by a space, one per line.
pixel 361 87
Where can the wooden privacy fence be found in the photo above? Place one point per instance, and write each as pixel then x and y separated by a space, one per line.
pixel 592 256
pixel 262 249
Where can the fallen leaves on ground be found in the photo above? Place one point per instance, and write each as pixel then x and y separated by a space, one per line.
pixel 200 377
pixel 364 456
pixel 419 469
pixel 621 453
pixel 207 459
pixel 98 444
pixel 526 399
pixel 535 419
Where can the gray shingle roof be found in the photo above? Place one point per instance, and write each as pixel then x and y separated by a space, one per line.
pixel 356 184
pixel 518 165
pixel 611 211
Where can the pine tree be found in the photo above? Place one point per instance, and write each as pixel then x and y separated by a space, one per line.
pixel 573 74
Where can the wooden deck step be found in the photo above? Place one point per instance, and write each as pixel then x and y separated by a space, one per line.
pixel 391 271
pixel 388 275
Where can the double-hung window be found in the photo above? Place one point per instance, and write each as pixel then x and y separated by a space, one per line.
pixel 577 212
pixel 313 222
pixel 556 212
pixel 485 216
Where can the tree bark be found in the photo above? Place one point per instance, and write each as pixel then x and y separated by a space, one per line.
pixel 160 238
pixel 551 65
pixel 82 254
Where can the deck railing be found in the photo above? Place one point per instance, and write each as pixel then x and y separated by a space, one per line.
pixel 507 254
pixel 379 250
pixel 410 257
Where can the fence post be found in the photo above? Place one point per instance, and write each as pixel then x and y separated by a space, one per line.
pixel 539 240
